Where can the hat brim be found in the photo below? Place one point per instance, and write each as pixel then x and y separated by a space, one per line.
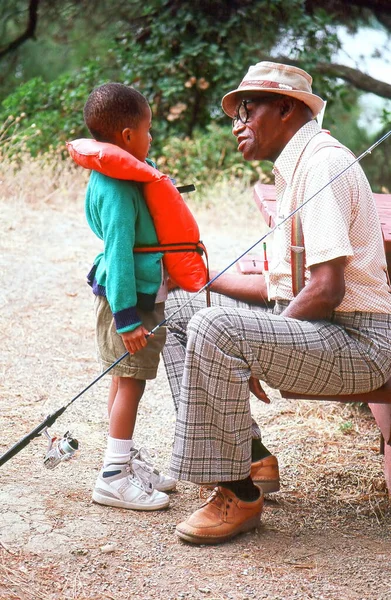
pixel 231 100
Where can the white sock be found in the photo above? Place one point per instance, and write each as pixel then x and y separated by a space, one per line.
pixel 117 451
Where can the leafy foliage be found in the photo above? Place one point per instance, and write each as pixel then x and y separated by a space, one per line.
pixel 184 56
pixel 209 157
pixel 53 109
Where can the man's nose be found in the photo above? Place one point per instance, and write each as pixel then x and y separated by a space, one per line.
pixel 237 127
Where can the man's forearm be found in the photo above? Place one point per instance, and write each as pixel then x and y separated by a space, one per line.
pixel 322 294
pixel 248 288
pixel 309 305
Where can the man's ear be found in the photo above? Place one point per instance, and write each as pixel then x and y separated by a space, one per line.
pixel 287 105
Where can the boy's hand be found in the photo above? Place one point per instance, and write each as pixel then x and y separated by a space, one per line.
pixel 171 285
pixel 135 340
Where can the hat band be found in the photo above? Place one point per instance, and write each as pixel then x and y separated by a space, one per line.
pixel 268 84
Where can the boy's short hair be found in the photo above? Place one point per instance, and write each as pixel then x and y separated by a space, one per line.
pixel 112 107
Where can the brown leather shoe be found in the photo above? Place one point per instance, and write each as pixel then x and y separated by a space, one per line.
pixel 222 517
pixel 265 474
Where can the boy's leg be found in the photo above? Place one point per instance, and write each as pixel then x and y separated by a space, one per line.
pixel 120 445
pixel 126 389
pixel 124 408
pixel 120 483
pixel 124 396
pixel 122 411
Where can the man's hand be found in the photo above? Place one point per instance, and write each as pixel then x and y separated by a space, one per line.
pixel 257 390
pixel 135 340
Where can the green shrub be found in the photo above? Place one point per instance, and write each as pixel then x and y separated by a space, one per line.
pixel 42 116
pixel 209 157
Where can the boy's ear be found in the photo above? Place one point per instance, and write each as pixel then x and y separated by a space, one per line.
pixel 126 135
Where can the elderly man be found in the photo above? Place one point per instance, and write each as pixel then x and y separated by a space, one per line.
pixel 330 335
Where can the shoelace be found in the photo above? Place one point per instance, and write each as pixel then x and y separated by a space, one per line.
pixel 221 502
pixel 214 494
pixel 143 455
pixel 141 478
pixel 205 492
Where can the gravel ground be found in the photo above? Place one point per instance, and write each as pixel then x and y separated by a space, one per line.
pixel 325 535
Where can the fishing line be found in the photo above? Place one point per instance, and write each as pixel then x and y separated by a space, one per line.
pixel 50 419
pixel 272 230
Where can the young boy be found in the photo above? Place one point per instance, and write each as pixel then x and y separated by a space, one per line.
pixel 130 292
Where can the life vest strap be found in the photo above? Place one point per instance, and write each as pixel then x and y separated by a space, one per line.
pixel 198 247
pixel 174 247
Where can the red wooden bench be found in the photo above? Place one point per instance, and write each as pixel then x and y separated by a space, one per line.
pixel 379 401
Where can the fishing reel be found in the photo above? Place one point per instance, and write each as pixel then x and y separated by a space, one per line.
pixel 59 449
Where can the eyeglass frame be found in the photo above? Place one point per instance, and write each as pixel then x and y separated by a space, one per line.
pixel 245 102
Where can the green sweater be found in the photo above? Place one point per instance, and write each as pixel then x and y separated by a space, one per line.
pixel 117 214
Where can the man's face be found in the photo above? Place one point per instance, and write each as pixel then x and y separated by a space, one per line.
pixel 259 128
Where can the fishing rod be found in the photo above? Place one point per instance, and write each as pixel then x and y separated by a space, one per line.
pixel 64 449
pixel 272 230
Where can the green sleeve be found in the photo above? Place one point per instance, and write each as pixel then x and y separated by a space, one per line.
pixel 118 212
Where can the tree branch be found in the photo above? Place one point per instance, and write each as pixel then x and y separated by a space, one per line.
pixel 373 5
pixel 28 33
pixel 352 13
pixel 357 78
pixel 341 6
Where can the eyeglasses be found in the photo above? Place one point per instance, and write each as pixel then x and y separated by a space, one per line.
pixel 242 113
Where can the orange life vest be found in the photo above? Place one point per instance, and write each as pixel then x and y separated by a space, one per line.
pixel 176 228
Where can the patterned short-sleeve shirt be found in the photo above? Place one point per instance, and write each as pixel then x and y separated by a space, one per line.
pixel 341 220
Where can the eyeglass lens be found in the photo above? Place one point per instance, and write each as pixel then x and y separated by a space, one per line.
pixel 242 113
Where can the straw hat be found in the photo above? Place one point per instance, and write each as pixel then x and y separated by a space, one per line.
pixel 275 78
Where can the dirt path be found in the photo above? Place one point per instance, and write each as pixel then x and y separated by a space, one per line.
pixel 326 535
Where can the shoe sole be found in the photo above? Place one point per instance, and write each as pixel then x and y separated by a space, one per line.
pixel 199 539
pixel 99 499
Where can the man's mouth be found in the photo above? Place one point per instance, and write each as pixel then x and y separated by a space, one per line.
pixel 241 143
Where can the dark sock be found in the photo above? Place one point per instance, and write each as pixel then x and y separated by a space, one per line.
pixel 258 450
pixel 244 489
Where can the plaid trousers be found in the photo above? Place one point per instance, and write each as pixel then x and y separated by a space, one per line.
pixel 230 341
pixel 174 351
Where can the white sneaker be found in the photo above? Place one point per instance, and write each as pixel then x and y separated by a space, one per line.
pixel 142 465
pixel 119 485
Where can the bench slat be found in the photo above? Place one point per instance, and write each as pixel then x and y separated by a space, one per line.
pixel 380 396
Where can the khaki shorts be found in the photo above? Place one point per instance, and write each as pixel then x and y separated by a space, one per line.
pixel 143 364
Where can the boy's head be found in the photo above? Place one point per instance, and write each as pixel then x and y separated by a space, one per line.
pixel 120 115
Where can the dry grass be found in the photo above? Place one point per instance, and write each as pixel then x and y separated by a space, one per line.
pixel 41 180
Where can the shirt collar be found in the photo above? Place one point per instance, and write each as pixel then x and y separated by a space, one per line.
pixel 285 164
